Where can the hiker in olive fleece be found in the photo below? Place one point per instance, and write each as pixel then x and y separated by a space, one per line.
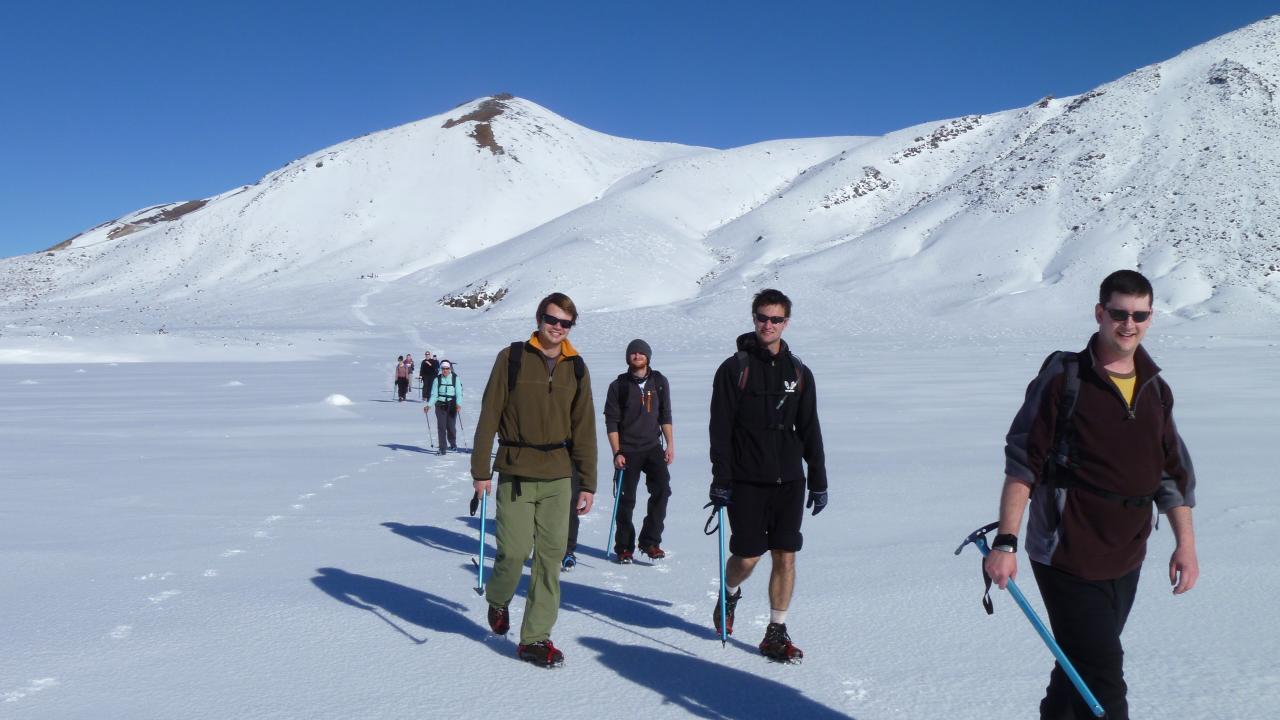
pixel 538 402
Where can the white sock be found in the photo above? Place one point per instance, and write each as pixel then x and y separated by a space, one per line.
pixel 777 616
pixel 731 590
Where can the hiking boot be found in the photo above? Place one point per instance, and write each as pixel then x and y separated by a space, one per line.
pixel 625 557
pixel 569 562
pixel 777 645
pixel 499 620
pixel 729 607
pixel 653 551
pixel 541 653
pixel 441 451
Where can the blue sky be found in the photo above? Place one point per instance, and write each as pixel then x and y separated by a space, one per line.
pixel 111 107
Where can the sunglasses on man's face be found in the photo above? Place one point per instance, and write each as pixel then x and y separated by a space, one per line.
pixel 552 320
pixel 775 319
pixel 1139 316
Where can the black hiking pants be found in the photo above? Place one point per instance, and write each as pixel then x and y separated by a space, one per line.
pixel 1087 617
pixel 657 480
pixel 402 387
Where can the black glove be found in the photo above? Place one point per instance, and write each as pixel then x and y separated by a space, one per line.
pixel 719 495
pixel 817 501
pixel 475 504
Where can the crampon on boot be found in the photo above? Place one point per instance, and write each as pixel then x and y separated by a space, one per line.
pixel 541 653
pixel 777 645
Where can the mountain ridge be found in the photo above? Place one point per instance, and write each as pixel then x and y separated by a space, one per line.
pixel 1171 169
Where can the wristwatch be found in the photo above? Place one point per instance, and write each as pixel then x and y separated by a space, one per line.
pixel 1005 543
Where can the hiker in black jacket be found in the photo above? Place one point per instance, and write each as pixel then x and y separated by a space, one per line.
pixel 764 423
pixel 637 417
pixel 427 371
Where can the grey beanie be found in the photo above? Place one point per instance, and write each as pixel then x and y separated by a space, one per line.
pixel 639 346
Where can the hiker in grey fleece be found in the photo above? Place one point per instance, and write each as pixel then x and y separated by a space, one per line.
pixel 637 417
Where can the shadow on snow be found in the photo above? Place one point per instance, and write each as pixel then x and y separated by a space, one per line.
pixel 387 600
pixel 406 448
pixel 706 689
pixel 442 539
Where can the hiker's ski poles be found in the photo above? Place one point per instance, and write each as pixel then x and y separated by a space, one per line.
pixel 462 429
pixel 613 516
pixel 979 538
pixel 484 512
pixel 431 437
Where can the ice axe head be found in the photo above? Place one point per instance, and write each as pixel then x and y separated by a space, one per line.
pixel 979 537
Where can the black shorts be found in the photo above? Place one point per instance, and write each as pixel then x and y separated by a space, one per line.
pixel 766 517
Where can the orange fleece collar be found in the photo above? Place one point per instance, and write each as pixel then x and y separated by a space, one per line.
pixel 566 348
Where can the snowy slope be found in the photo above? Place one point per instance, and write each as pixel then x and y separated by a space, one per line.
pixel 1009 218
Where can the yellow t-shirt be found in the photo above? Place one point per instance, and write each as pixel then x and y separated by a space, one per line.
pixel 1125 383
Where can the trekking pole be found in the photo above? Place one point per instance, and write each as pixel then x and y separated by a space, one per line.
pixel 979 538
pixel 617 483
pixel 484 512
pixel 431 437
pixel 462 429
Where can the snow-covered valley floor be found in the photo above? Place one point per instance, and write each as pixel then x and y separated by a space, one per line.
pixel 213 540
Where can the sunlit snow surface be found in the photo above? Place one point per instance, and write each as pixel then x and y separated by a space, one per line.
pixel 214 540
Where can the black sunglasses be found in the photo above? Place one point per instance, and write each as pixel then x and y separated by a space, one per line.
pixel 552 320
pixel 1139 316
pixel 775 319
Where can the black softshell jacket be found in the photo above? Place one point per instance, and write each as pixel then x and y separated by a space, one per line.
pixel 761 434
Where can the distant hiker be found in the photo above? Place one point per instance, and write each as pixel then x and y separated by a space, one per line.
pixel 764 421
pixel 427 373
pixel 637 417
pixel 538 402
pixel 446 395
pixel 401 379
pixel 1093 446
pixel 408 360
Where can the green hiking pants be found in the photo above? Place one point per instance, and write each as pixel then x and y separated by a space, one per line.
pixel 537 519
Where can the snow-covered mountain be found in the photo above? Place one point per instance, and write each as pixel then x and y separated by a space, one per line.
pixel 1173 169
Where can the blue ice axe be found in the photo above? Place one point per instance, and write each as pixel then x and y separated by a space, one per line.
pixel 617 484
pixel 979 538
pixel 717 514
pixel 484 512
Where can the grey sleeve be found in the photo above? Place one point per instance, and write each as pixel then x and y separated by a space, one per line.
pixel 1178 479
pixel 1026 446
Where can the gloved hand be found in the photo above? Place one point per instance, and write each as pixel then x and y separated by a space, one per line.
pixel 817 501
pixel 475 504
pixel 719 495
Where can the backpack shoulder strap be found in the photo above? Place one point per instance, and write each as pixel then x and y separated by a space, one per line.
pixel 744 369
pixel 798 364
pixel 1062 431
pixel 513 364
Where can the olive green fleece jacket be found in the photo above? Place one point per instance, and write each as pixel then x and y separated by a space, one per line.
pixel 542 409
